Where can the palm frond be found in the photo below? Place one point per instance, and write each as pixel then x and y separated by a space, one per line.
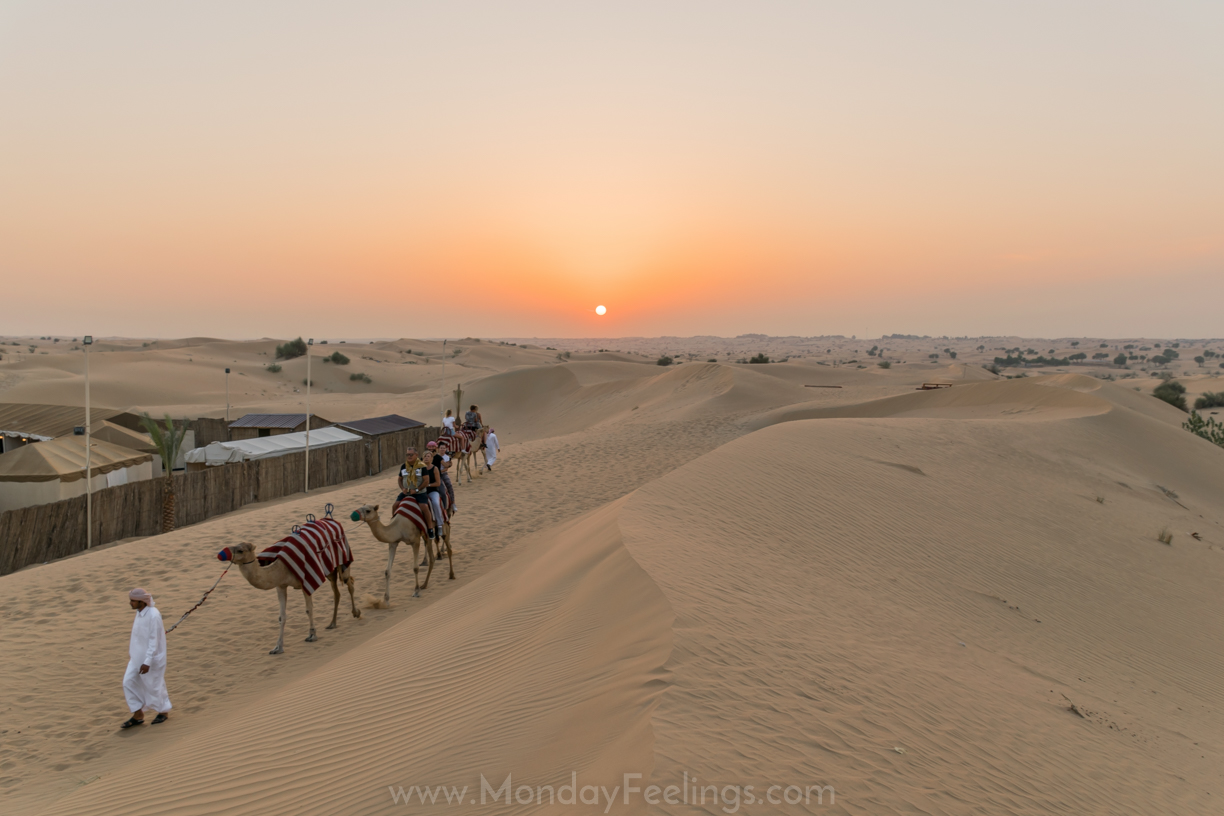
pixel 168 440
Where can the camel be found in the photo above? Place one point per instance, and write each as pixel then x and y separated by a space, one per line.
pixel 279 577
pixel 401 531
pixel 464 458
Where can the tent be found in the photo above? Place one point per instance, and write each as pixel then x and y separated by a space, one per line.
pixel 266 447
pixel 118 435
pixel 47 472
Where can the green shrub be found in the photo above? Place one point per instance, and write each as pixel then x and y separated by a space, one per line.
pixel 1200 359
pixel 274 368
pixel 712 360
pixel 664 361
pixel 337 358
pixel 294 348
pixel 760 358
pixel 1172 392
pixel 885 364
pixel 1120 360
pixel 1207 428
pixel 1210 400
pixel 360 378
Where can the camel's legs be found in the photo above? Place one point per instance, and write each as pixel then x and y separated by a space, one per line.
pixel 310 614
pixel 335 597
pixel 428 556
pixel 282 594
pixel 387 575
pixel 347 577
pixel 449 557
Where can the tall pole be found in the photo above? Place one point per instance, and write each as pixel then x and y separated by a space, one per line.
pixel 309 343
pixel 88 454
pixel 227 396
pixel 442 395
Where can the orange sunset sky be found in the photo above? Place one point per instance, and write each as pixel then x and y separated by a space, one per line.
pixel 414 169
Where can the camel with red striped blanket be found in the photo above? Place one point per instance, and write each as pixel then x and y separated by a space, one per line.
pixel 407 526
pixel 463 447
pixel 316 552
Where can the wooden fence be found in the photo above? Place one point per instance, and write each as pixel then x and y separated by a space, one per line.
pixel 32 535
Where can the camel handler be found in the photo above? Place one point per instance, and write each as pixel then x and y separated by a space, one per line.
pixel 492 446
pixel 144 682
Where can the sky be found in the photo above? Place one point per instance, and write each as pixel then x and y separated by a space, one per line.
pixel 385 169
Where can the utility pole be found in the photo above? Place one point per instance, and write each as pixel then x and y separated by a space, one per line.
pixel 309 343
pixel 227 396
pixel 442 394
pixel 88 454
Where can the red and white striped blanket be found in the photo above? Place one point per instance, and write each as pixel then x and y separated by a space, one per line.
pixel 409 509
pixel 461 441
pixel 312 553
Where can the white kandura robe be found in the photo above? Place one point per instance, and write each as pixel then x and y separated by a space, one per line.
pixel 491 448
pixel 147 648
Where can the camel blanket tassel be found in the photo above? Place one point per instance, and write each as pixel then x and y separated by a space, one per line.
pixel 202 600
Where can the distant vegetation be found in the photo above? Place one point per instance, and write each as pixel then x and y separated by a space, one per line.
pixel 1210 400
pixel 760 358
pixel 294 348
pixel 1172 392
pixel 664 361
pixel 337 358
pixel 360 378
pixel 274 368
pixel 884 364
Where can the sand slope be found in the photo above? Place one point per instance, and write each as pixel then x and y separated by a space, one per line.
pixel 906 608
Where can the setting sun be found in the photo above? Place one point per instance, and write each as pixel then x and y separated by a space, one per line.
pixel 601 310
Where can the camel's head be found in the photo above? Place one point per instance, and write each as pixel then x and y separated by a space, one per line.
pixel 366 512
pixel 239 554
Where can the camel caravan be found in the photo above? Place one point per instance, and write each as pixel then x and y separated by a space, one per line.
pixel 318 550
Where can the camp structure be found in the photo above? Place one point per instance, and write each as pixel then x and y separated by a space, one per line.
pixel 242 450
pixel 377 426
pixel 23 423
pixel 55 470
pixel 255 426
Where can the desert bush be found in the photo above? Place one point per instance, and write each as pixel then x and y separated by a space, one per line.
pixel 1172 392
pixel 1210 400
pixel 294 348
pixel 1200 359
pixel 664 361
pixel 1120 360
pixel 274 368
pixel 360 378
pixel 712 360
pixel 1207 428
pixel 761 358
pixel 311 383
pixel 337 358
pixel 884 364
pixel 1165 536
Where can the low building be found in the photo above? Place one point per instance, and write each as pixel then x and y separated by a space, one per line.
pixel 23 423
pixel 54 470
pixel 243 450
pixel 254 426
pixel 377 426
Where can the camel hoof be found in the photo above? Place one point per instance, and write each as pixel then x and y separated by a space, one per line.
pixel 452 576
pixel 313 637
pixel 278 650
pixel 416 594
pixel 357 613
pixel 333 626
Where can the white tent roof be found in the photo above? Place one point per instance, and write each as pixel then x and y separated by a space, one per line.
pixel 266 447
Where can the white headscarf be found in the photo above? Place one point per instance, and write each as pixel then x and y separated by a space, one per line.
pixel 139 594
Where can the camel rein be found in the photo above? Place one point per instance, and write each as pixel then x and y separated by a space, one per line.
pixel 202 600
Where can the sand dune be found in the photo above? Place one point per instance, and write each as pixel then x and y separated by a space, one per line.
pixel 708 570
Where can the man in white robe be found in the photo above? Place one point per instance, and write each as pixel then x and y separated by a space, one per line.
pixel 492 446
pixel 144 683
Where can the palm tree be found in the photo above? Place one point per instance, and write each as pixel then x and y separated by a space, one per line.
pixel 168 440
